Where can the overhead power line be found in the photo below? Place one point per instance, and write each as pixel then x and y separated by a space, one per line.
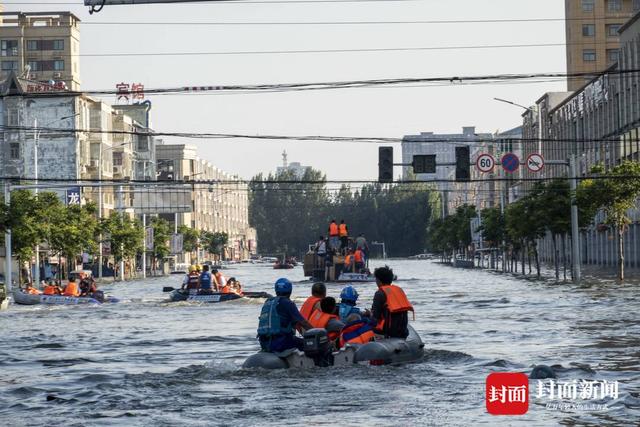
pixel 235 2
pixel 492 79
pixel 314 138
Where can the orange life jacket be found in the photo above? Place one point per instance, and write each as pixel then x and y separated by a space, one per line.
pixel 343 230
pixel 33 291
pixel 71 290
pixel 359 256
pixel 308 306
pixel 319 319
pixel 226 289
pixel 348 260
pixel 397 302
pixel 356 333
pixel 333 229
pixel 51 290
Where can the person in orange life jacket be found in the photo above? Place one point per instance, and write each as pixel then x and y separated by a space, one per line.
pixel 29 289
pixel 326 318
pixel 343 231
pixel 349 261
pixel 234 286
pixel 87 286
pixel 279 319
pixel 51 289
pixel 356 331
pixel 334 235
pixel 390 306
pixel 358 257
pixel 220 281
pixel 71 290
pixel 318 291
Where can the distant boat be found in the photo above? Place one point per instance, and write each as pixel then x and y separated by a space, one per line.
pixel 282 266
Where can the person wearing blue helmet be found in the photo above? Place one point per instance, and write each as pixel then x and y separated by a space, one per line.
pixel 279 319
pixel 348 300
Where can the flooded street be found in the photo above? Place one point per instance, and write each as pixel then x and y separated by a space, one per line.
pixel 148 362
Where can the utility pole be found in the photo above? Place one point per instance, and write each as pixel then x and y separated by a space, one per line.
pixel 7 241
pixel 36 137
pixel 575 232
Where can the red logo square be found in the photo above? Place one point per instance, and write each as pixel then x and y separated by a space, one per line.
pixel 507 393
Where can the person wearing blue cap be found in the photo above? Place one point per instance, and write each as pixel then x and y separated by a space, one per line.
pixel 279 319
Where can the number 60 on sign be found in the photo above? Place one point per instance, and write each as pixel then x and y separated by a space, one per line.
pixel 485 163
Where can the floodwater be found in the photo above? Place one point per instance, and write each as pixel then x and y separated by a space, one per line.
pixel 148 362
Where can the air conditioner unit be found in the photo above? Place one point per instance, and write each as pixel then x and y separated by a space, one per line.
pixel 95 163
pixel 117 170
pixel 57 75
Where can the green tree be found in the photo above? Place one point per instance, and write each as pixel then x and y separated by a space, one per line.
pixel 161 236
pixel 75 232
pixel 124 234
pixel 190 238
pixel 215 242
pixel 616 193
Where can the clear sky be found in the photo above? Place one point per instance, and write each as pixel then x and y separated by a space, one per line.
pixel 379 112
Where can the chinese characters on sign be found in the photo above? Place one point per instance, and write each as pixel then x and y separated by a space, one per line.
pixel 508 394
pixel 129 92
pixel 46 87
pixel 73 196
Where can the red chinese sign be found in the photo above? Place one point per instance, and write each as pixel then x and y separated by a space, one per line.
pixel 129 92
pixel 507 393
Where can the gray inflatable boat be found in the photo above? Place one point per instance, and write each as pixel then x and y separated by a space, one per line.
pixel 317 352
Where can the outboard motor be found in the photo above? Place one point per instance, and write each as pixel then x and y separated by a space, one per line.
pixel 318 347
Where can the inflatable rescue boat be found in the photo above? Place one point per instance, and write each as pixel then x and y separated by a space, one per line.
pixel 183 295
pixel 24 298
pixel 317 352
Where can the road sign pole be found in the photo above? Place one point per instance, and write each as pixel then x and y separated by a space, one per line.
pixel 7 242
pixel 575 232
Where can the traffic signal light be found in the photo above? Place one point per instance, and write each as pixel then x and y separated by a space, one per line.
pixel 463 164
pixel 424 163
pixel 385 164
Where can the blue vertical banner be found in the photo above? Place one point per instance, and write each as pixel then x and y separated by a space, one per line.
pixel 73 196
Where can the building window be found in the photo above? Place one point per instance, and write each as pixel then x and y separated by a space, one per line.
pixel 588 5
pixel 9 47
pixel 33 45
pixel 34 65
pixel 614 5
pixel 58 45
pixel 58 65
pixel 14 150
pixel 613 55
pixel 588 30
pixel 589 55
pixel 612 30
pixel 9 65
pixel 636 5
pixel 12 117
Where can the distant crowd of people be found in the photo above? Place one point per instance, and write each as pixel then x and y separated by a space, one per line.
pixel 355 251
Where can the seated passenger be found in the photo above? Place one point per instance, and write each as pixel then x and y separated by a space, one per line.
pixel 220 280
pixel 327 319
pixel 390 306
pixel 318 292
pixel 51 289
pixel 87 286
pixel 349 262
pixel 190 282
pixel 235 286
pixel 71 290
pixel 205 283
pixel 29 289
pixel 347 306
pixel 356 331
pixel 279 319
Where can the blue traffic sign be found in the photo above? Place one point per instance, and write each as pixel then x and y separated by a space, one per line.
pixel 73 196
pixel 510 162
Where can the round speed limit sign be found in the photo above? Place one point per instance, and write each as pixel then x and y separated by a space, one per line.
pixel 485 163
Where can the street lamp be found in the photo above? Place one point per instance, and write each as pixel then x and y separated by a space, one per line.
pixel 513 103
pixel 36 140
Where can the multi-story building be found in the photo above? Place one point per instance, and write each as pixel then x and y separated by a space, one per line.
pixel 292 167
pixel 220 200
pixel 600 124
pixel 41 47
pixel 592 35
pixel 443 146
